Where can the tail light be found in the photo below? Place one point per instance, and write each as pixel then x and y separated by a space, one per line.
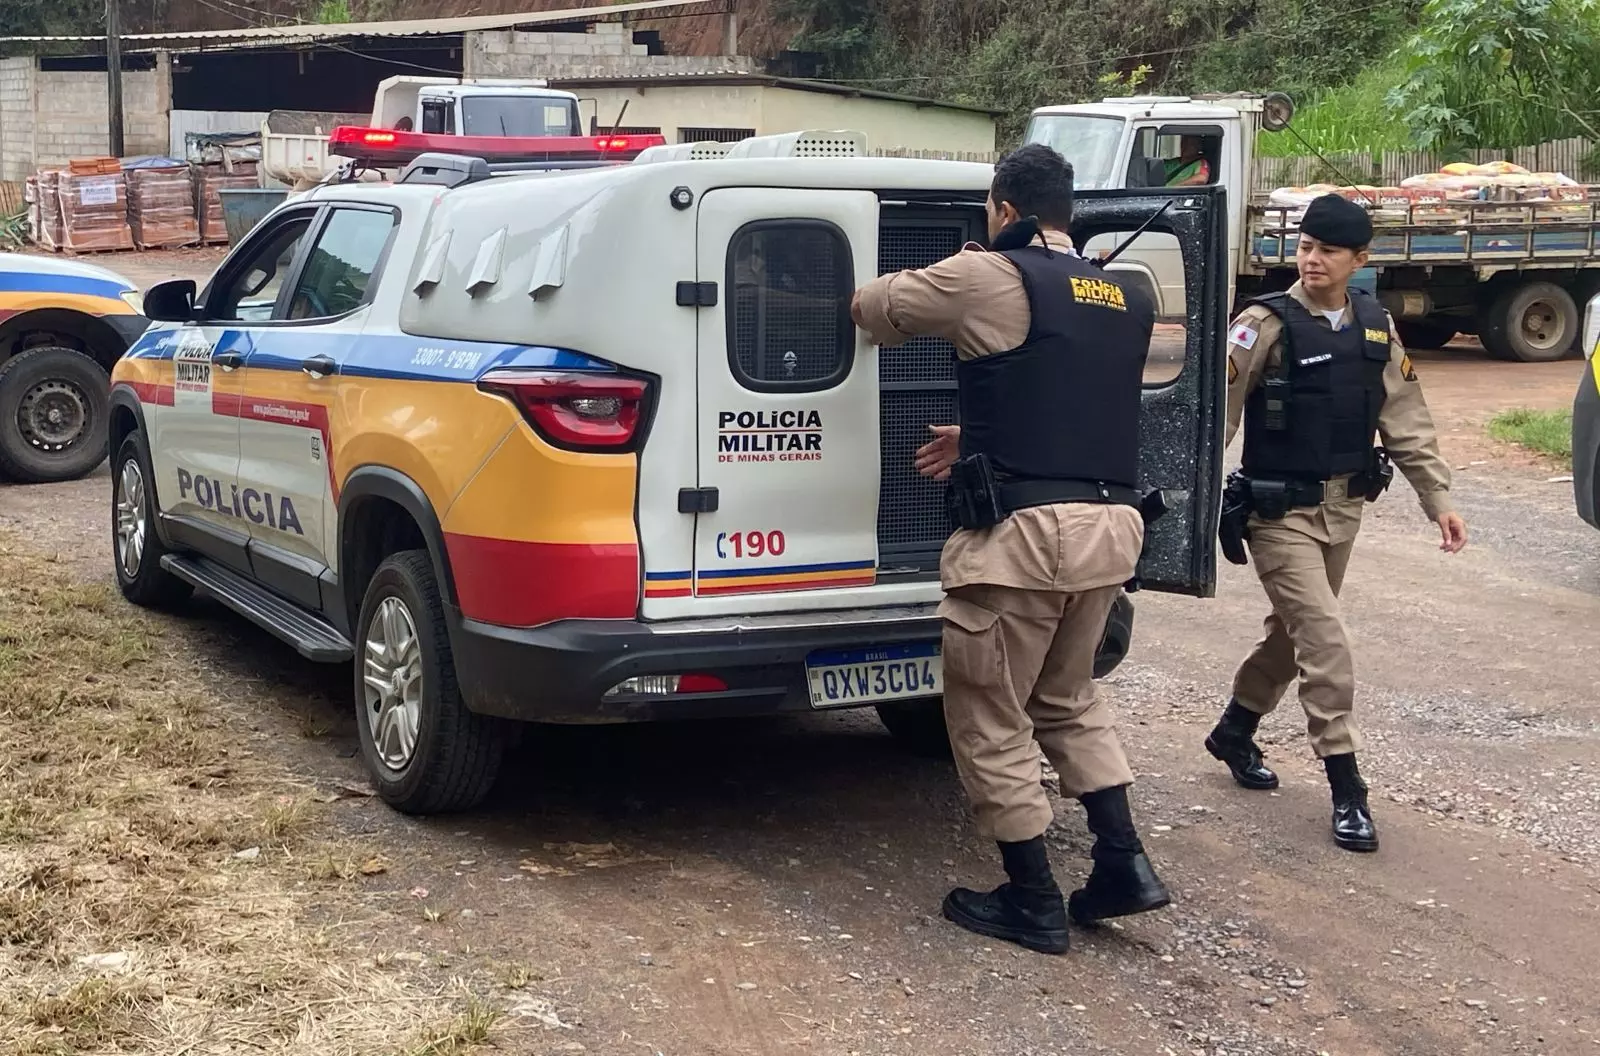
pixel 576 411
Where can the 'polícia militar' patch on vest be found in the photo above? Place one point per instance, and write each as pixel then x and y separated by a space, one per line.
pixel 1101 293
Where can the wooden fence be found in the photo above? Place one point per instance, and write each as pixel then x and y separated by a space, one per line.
pixel 1577 158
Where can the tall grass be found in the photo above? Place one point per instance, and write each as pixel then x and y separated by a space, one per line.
pixel 1353 117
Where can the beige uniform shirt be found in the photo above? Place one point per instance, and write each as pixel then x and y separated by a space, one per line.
pixel 976 301
pixel 1255 347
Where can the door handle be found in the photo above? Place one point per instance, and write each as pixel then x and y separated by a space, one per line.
pixel 229 360
pixel 319 366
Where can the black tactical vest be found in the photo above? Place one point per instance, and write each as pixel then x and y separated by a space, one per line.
pixel 1065 405
pixel 1316 416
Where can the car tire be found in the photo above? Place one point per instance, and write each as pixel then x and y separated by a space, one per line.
pixel 1508 331
pixel 1424 335
pixel 136 547
pixel 54 409
pixel 920 726
pixel 426 752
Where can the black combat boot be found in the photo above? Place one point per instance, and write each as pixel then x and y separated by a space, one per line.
pixel 1027 911
pixel 1233 742
pixel 1122 882
pixel 1352 818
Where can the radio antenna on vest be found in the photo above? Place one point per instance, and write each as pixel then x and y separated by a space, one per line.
pixel 1115 253
pixel 1331 166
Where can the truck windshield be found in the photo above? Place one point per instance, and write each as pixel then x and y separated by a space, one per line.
pixel 518 115
pixel 1090 143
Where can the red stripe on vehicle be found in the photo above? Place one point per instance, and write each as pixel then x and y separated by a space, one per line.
pixel 519 584
pixel 296 415
pixel 711 589
pixel 150 392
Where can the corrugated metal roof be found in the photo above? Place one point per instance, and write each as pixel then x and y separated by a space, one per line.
pixel 314 31
pixel 764 80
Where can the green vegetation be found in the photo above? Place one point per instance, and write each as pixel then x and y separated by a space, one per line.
pixel 1547 432
pixel 1352 117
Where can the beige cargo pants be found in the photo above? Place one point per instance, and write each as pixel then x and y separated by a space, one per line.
pixel 1019 677
pixel 1305 635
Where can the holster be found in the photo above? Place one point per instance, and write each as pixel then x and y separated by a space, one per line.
pixel 1380 476
pixel 972 496
pixel 1234 527
pixel 1269 499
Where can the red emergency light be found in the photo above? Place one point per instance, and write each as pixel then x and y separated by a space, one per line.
pixel 387 146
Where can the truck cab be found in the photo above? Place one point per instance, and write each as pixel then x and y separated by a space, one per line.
pixel 447 106
pixel 1134 143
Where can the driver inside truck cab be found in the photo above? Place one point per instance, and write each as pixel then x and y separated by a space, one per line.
pixel 1191 167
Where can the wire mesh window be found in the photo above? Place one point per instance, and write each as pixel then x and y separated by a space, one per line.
pixel 714 135
pixel 790 284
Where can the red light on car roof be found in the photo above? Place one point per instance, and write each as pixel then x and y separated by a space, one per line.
pixel 610 143
pixel 378 137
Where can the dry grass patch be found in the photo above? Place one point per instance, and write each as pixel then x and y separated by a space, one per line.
pixel 130 921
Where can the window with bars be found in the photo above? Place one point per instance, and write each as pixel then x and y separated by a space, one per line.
pixel 714 135
pixel 789 328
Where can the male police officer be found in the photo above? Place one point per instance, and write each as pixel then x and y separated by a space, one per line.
pixel 1316 372
pixel 1043 469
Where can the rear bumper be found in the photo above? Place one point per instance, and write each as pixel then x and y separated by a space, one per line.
pixel 1586 447
pixel 560 673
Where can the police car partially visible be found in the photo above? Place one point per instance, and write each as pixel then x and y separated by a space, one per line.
pixel 1586 421
pixel 596 445
pixel 63 323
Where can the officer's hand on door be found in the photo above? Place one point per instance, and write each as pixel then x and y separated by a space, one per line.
pixel 935 458
pixel 1453 532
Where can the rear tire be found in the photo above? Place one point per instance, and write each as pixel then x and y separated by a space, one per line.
pixel 1424 335
pixel 54 410
pixel 136 548
pixel 1536 322
pixel 918 725
pixel 426 752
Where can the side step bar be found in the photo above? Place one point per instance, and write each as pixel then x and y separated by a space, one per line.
pixel 309 635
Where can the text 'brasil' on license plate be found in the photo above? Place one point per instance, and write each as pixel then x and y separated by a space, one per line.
pixel 872 676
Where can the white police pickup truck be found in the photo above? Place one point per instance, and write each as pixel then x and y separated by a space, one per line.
pixel 598 445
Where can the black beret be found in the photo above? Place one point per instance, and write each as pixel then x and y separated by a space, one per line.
pixel 1337 221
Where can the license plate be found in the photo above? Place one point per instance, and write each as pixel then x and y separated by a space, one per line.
pixel 872 676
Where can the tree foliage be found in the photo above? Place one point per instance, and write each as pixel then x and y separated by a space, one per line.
pixel 1502 73
pixel 51 17
pixel 1015 56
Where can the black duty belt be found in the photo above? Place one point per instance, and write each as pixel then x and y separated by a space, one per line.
pixel 1317 492
pixel 1022 494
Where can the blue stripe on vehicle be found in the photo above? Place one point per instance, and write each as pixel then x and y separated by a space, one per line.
pixel 45 282
pixel 789 570
pixel 391 356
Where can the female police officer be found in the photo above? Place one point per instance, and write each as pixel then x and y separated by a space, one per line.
pixel 1317 373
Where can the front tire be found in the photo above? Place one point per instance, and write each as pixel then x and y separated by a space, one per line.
pixel 136 549
pixel 54 409
pixel 426 752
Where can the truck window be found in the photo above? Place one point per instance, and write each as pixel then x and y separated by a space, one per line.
pixel 1089 143
pixel 338 275
pixel 518 115
pixel 438 119
pixel 789 325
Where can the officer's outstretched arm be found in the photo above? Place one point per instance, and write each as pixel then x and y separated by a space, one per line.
pixel 928 302
pixel 1406 427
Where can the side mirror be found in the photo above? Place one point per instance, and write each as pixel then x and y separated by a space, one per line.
pixel 171 302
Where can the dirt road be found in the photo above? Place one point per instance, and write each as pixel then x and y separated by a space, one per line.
pixel 773 887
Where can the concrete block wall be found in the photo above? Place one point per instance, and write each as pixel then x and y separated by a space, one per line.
pixel 70 118
pixel 606 51
pixel 16 118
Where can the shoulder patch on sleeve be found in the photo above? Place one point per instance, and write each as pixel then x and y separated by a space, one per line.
pixel 1233 371
pixel 1407 371
pixel 1244 335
